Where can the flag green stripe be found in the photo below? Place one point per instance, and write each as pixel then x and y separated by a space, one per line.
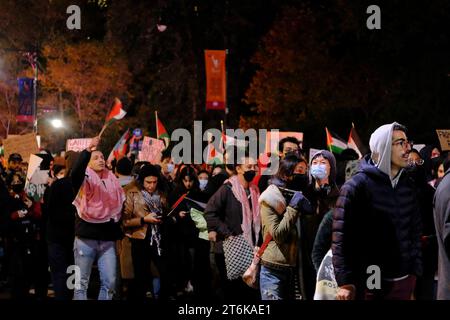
pixel 336 149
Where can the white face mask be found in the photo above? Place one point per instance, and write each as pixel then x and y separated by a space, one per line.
pixel 170 167
pixel 203 183
pixel 319 171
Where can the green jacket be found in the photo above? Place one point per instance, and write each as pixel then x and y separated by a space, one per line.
pixel 280 221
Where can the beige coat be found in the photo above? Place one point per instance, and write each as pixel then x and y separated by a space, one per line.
pixel 280 221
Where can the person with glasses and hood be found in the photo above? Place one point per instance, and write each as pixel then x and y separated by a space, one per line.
pixel 376 224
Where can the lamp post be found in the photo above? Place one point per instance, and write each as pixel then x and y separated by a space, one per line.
pixel 32 60
pixel 35 92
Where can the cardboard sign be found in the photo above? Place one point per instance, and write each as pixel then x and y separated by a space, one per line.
pixel 444 139
pixel 272 139
pixel 151 150
pixel 25 145
pixel 77 145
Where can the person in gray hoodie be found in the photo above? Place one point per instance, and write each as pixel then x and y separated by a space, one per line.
pixel 442 222
pixel 377 225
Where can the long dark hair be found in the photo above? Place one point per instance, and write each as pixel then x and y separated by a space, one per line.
pixel 149 170
pixel 187 171
pixel 287 167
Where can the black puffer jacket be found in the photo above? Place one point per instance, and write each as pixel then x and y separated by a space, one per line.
pixel 376 224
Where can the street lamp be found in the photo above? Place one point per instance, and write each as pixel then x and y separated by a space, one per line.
pixel 57 123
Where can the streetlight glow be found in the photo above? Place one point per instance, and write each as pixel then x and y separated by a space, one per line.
pixel 56 123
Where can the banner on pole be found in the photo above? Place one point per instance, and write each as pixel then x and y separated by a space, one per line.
pixel 25 111
pixel 216 89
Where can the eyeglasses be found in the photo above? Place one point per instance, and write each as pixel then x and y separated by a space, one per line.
pixel 418 162
pixel 403 143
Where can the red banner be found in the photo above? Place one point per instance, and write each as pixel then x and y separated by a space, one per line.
pixel 216 87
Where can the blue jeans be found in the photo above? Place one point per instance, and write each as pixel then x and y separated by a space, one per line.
pixel 277 284
pixel 86 251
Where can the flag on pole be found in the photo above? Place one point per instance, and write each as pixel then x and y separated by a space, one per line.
pixel 334 143
pixel 214 156
pixel 161 132
pixel 116 113
pixel 120 148
pixel 354 142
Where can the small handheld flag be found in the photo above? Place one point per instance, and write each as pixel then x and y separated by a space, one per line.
pixel 116 113
pixel 161 132
pixel 334 143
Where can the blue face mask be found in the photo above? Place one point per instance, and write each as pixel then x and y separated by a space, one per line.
pixel 170 167
pixel 203 183
pixel 319 171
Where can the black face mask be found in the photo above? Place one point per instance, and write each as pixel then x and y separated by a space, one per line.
pixel 249 175
pixel 418 173
pixel 17 188
pixel 299 182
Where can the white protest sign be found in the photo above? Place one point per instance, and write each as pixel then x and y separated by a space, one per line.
pixel 77 144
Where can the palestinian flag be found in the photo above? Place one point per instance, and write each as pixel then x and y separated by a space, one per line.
pixel 116 113
pixel 354 142
pixel 213 156
pixel 334 143
pixel 120 148
pixel 161 132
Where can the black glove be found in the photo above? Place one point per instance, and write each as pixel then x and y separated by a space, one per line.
pixel 296 200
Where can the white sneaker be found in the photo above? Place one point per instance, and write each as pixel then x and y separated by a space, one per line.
pixel 189 288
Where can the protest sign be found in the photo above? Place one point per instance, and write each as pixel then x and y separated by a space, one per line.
pixel 444 139
pixel 77 145
pixel 25 145
pixel 37 179
pixel 151 150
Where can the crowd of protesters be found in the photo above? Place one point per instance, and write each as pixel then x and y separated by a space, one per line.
pixel 136 231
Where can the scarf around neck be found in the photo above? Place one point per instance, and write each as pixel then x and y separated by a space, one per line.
pixel 153 202
pixel 249 215
pixel 99 199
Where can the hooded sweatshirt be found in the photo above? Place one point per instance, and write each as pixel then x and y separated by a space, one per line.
pixel 381 147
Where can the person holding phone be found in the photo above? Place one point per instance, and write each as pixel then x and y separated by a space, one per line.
pixel 145 205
